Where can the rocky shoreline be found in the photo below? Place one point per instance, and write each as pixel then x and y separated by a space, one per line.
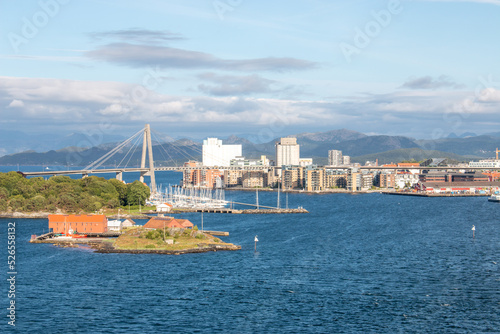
pixel 99 246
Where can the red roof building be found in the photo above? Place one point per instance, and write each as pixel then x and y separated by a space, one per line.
pixel 167 222
pixel 78 223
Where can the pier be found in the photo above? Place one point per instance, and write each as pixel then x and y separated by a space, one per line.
pixel 433 195
pixel 269 210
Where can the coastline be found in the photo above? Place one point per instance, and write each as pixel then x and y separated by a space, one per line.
pixel 103 246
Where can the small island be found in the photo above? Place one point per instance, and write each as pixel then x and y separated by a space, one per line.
pixel 160 235
pixel 172 241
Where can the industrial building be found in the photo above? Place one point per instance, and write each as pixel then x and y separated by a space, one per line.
pixel 71 224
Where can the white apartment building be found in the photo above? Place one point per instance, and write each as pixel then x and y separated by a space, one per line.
pixel 287 152
pixel 217 154
pixel 335 158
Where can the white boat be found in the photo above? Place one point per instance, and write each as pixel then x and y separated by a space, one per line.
pixel 494 198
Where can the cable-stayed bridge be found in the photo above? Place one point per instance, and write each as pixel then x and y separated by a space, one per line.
pixel 97 166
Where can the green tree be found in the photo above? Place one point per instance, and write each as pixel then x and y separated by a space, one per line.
pixel 121 188
pixel 17 203
pixel 36 203
pixel 3 205
pixel 137 193
pixel 4 193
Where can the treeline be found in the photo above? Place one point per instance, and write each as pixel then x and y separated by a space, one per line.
pixel 69 195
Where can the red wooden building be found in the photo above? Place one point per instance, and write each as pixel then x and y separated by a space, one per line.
pixel 78 223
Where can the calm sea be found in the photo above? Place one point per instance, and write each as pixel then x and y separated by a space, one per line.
pixel 356 264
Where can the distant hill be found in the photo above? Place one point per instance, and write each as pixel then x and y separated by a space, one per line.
pixel 463 135
pixel 417 154
pixel 173 153
pixel 334 136
pixel 13 141
pixel 312 145
pixel 471 147
pixel 374 144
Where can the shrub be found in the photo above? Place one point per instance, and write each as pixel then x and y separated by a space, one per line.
pixel 3 205
pixel 150 246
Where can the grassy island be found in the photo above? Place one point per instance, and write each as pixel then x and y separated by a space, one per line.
pixel 168 241
pixel 172 239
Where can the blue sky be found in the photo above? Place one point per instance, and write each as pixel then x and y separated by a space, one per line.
pixel 417 68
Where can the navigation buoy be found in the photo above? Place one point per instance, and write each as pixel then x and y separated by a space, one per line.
pixel 255 240
pixel 473 231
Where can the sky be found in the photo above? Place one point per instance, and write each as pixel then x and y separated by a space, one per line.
pixel 257 69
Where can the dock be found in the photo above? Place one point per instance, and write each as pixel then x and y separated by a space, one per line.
pixel 217 233
pixel 432 195
pixel 42 237
pixel 244 211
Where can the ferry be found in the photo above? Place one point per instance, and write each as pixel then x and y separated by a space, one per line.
pixel 494 198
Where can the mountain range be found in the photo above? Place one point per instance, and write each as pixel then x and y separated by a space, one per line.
pixel 67 150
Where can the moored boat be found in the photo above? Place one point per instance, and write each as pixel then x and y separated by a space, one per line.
pixel 494 198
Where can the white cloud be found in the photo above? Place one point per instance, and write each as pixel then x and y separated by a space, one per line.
pixel 16 103
pixel 73 105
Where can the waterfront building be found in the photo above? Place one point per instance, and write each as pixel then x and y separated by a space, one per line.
pixel 459 187
pixel 217 154
pixel 287 152
pixel 292 177
pixel 70 224
pixel 254 179
pixel 193 176
pixel 336 181
pixel 232 178
pixel 346 160
pixel 206 178
pixel 335 158
pixel 354 180
pixel 406 179
pixel 366 181
pixel 167 222
pixel 303 162
pixel 115 225
pixel 314 178
pixel 386 180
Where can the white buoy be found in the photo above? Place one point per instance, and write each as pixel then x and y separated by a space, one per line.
pixel 473 231
pixel 255 240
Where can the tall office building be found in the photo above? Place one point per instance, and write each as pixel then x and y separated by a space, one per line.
pixel 335 158
pixel 287 152
pixel 347 160
pixel 216 154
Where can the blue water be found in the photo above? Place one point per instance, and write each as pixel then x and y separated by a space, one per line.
pixel 356 264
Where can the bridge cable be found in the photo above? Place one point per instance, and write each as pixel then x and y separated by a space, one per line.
pixel 96 164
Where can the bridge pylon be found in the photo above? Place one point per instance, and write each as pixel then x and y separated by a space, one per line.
pixel 147 146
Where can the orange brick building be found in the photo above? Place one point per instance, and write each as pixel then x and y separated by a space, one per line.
pixel 78 223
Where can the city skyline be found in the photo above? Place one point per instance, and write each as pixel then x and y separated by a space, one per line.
pixel 408 68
